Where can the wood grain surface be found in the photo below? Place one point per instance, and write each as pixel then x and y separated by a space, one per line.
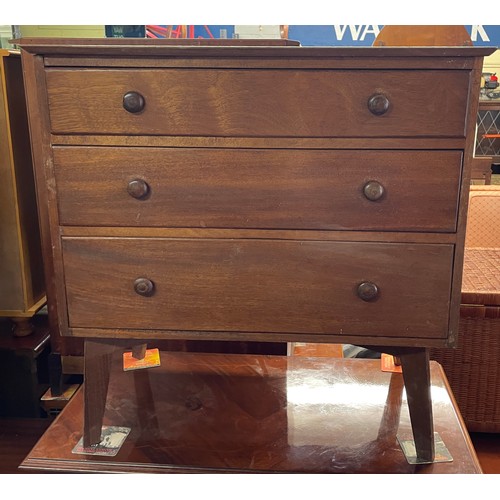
pixel 258 103
pixel 258 188
pixel 258 285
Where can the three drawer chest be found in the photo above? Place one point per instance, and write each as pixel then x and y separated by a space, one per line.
pixel 245 191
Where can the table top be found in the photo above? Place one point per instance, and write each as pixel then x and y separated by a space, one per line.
pixel 481 277
pixel 220 413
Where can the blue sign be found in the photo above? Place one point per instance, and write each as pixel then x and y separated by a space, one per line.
pixel 365 34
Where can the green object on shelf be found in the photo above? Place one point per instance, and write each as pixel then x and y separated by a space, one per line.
pixel 124 31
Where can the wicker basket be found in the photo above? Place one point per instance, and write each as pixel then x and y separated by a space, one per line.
pixel 473 368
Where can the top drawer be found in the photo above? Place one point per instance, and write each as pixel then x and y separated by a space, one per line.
pixel 258 102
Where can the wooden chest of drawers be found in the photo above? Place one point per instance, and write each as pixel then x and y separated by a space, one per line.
pixel 273 193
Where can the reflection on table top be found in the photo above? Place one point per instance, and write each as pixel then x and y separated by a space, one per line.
pixel 251 413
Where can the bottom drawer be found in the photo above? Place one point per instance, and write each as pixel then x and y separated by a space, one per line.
pixel 289 286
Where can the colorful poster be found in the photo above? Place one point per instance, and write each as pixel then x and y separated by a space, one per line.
pixel 189 31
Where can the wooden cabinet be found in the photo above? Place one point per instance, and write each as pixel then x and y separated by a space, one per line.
pixel 269 193
pixel 487 149
pixel 22 289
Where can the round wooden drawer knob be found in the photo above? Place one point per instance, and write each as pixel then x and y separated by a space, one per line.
pixel 368 291
pixel 378 104
pixel 373 190
pixel 133 102
pixel 138 189
pixel 144 287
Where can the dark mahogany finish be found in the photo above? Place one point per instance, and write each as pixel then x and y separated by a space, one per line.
pixel 282 103
pixel 275 193
pixel 258 285
pixel 322 189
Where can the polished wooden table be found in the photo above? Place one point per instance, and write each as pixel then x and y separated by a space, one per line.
pixel 219 413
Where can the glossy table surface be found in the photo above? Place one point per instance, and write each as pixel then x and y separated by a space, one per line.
pixel 251 413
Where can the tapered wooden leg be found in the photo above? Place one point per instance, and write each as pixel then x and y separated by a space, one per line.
pixel 23 327
pixel 416 374
pixel 139 351
pixel 97 365
pixel 392 411
pixel 55 374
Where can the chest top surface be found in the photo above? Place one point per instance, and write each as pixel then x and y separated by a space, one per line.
pixel 131 46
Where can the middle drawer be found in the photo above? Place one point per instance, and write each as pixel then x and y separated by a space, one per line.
pixel 258 188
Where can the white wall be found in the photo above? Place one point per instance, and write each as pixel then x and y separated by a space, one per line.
pixel 257 31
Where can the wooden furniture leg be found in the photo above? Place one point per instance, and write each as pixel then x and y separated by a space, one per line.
pixel 417 381
pixel 22 326
pixel 55 374
pixel 392 411
pixel 416 374
pixel 97 366
pixel 139 351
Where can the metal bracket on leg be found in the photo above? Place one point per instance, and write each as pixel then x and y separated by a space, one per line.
pixel 441 453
